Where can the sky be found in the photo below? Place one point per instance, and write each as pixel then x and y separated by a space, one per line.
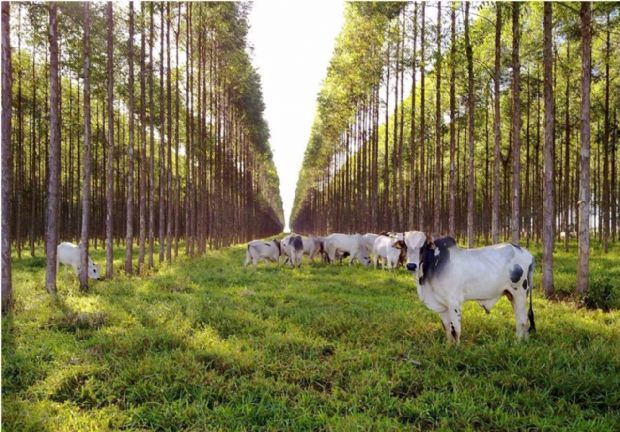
pixel 292 44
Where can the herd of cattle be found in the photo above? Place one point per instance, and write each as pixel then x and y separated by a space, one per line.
pixel 446 275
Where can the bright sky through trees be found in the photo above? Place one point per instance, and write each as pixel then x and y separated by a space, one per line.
pixel 293 43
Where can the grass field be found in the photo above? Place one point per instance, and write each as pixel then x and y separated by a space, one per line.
pixel 205 345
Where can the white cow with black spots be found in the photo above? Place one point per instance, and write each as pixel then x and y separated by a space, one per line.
pixel 447 276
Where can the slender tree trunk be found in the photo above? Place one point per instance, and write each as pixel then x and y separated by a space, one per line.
pixel 412 145
pixel 496 126
pixel 549 153
pixel 162 143
pixel 143 169
pixel 606 180
pixel 130 169
pixel 170 194
pixel 7 286
pixel 438 148
pixel 515 223
pixel 421 182
pixel 470 131
pixel 110 156
pixel 567 128
pixel 86 155
pixel 584 180
pixel 452 179
pixel 152 143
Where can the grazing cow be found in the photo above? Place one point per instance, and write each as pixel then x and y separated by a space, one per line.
pixel 390 250
pixel 312 246
pixel 341 244
pixel 293 248
pixel 447 276
pixel 369 240
pixel 260 250
pixel 69 255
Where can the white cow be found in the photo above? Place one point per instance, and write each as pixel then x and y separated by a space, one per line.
pixel 369 240
pixel 293 248
pixel 312 246
pixel 341 244
pixel 69 255
pixel 447 276
pixel 389 249
pixel 260 250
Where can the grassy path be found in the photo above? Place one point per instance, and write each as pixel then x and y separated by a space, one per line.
pixel 206 345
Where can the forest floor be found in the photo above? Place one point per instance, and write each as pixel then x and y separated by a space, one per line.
pixel 203 344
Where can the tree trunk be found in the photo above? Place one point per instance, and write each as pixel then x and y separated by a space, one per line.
pixel 110 160
pixel 143 169
pixel 515 222
pixel 584 180
pixel 162 142
pixel 606 182
pixel 421 182
pixel 130 169
pixel 53 164
pixel 412 147
pixel 152 143
pixel 496 126
pixel 438 148
pixel 86 155
pixel 470 131
pixel 7 286
pixel 549 153
pixel 452 179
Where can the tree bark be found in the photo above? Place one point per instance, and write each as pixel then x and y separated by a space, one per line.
pixel 496 126
pixel 584 180
pixel 143 169
pixel 130 169
pixel 470 133
pixel 86 155
pixel 549 153
pixel 110 156
pixel 452 179
pixel 515 222
pixel 438 145
pixel 7 286
pixel 53 164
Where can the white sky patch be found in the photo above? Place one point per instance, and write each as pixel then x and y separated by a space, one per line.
pixel 293 42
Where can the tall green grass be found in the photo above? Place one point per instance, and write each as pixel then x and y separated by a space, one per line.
pixel 205 345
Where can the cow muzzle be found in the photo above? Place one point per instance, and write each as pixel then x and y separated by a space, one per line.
pixel 412 267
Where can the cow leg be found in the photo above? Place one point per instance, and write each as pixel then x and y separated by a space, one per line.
pixel 519 306
pixel 452 325
pixel 247 259
pixel 374 261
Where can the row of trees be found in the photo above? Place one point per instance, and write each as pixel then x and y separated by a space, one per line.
pixel 462 119
pixel 132 126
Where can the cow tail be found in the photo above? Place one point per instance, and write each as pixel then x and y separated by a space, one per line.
pixel 530 313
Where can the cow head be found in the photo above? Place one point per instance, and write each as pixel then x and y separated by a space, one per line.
pixel 93 269
pixel 400 245
pixel 414 241
pixel 434 255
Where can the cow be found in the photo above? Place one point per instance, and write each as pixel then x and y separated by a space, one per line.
pixel 369 240
pixel 341 244
pixel 261 250
pixel 390 250
pixel 293 248
pixel 312 246
pixel 446 276
pixel 69 255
